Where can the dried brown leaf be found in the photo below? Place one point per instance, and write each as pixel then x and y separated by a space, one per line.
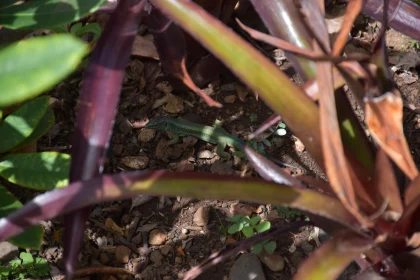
pixel 384 118
pixel 144 47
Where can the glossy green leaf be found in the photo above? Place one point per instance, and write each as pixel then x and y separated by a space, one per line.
pixel 19 125
pixel 270 247
pixel 43 126
pixel 264 226
pixel 190 184
pixel 281 132
pixel 40 171
pixel 248 231
pixel 30 238
pixel 35 65
pixel 38 14
pixel 257 248
pixel 236 218
pixel 79 30
pixel 246 220
pixel 255 220
pixel 235 228
pixel 26 257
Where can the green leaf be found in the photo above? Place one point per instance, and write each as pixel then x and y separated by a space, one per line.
pixel 42 264
pixel 79 30
pixel 35 65
pixel 253 117
pixel 281 125
pixel 4 271
pixel 21 124
pixel 248 231
pixel 270 247
pixel 255 220
pixel 15 263
pixel 246 219
pixel 266 225
pixel 40 171
pixel 27 258
pixel 30 238
pixel 38 14
pixel 235 228
pixel 281 132
pixel 257 248
pixel 43 126
pixel 266 142
pixel 236 218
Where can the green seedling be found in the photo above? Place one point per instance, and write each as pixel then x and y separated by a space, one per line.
pixel 26 266
pixel 415 44
pixel 288 213
pixel 253 117
pixel 79 30
pixel 248 227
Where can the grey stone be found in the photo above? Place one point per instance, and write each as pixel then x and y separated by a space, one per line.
pixel 156 257
pixel 247 267
pixel 205 154
pixel 297 258
pixel 8 251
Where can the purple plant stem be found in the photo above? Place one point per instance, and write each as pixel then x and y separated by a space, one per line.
pixel 403 15
pixel 96 112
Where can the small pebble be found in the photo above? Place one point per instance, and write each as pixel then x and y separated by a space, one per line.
pixel 122 254
pixel 156 257
pixel 104 258
pixel 184 230
pixel 274 261
pixel 205 154
pixel 165 250
pixel 228 87
pixel 157 237
pixel 201 217
pixel 230 99
pixel 299 145
pixel 146 135
pixel 135 162
pixel 183 236
pixel 307 247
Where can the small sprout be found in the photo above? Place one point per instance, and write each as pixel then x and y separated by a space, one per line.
pixel 280 129
pixel 249 226
pixel 253 117
pixel 415 44
pixel 288 213
pixel 26 266
pixel 266 142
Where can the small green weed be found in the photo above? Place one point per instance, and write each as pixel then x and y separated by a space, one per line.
pixel 248 227
pixel 288 213
pixel 26 266
pixel 253 117
pixel 415 44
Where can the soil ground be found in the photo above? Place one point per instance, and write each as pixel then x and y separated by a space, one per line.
pixel 143 96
